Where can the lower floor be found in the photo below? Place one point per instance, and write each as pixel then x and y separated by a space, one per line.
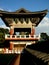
pixel 16 46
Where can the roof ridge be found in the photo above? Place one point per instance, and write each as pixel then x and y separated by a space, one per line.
pixel 22 9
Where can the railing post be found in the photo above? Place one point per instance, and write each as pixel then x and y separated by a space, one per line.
pixel 5 36
pixel 24 36
pixel 10 36
pixel 20 36
pixel 15 36
pixel 39 37
pixel 34 36
pixel 29 36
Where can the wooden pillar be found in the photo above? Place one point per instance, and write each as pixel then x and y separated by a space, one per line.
pixel 33 30
pixel 11 46
pixel 11 33
pixel 11 30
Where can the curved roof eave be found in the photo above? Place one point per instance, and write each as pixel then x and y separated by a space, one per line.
pixel 40 14
pixel 37 12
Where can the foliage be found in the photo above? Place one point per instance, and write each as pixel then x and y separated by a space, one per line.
pixel 44 36
pixel 2 37
pixel 6 31
pixel 2 34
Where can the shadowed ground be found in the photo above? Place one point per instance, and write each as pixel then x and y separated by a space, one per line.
pixel 35 54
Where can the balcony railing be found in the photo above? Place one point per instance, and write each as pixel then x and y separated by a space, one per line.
pixel 21 36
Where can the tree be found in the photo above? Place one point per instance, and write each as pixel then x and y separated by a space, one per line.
pixel 2 37
pixel 6 31
pixel 2 34
pixel 44 36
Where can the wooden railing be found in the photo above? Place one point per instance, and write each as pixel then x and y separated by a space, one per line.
pixel 21 36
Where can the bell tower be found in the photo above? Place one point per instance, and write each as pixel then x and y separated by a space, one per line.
pixel 22 25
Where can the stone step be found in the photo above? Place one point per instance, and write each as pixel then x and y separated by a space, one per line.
pixel 46 57
pixel 39 55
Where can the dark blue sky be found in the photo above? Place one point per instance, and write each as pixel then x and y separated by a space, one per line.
pixel 32 5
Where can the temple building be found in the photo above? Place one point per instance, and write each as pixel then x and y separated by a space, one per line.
pixel 22 25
